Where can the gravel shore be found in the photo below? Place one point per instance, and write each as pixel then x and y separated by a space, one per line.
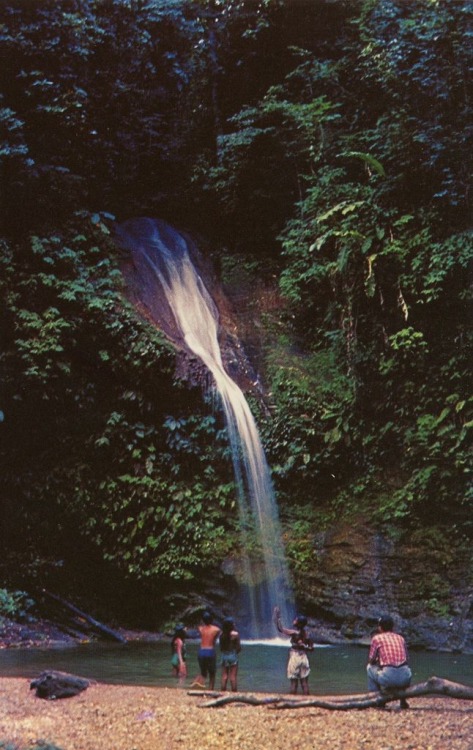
pixel 112 717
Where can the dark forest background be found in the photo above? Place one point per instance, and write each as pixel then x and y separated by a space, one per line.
pixel 321 152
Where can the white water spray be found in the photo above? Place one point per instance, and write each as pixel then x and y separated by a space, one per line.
pixel 166 255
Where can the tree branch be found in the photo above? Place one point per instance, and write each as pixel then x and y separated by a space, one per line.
pixel 433 686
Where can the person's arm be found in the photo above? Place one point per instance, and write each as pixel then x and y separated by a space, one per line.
pixel 309 644
pixel 217 634
pixel 406 651
pixel 182 664
pixel 373 654
pixel 236 642
pixel 278 623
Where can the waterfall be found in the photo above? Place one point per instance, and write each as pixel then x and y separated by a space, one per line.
pixel 165 254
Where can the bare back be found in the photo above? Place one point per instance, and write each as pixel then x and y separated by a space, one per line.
pixel 208 635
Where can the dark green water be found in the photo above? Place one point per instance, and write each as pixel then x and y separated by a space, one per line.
pixel 334 670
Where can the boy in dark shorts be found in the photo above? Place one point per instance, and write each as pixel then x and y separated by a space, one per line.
pixel 207 657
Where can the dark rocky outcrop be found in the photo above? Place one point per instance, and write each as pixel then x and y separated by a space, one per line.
pixel 52 685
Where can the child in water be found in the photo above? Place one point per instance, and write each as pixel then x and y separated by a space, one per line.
pixel 178 650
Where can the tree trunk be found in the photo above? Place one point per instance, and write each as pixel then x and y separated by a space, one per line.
pixel 104 630
pixel 433 686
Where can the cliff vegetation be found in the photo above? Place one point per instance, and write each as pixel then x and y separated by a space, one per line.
pixel 321 155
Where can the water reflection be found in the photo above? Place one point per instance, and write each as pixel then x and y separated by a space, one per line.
pixel 334 669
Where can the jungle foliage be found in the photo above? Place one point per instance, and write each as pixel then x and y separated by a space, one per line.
pixel 329 141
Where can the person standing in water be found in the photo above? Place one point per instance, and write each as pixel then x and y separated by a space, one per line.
pixel 298 668
pixel 178 650
pixel 207 657
pixel 230 647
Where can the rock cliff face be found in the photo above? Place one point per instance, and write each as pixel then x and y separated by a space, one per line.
pixel 144 290
pixel 359 573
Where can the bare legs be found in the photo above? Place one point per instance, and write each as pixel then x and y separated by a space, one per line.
pixel 304 685
pixel 230 673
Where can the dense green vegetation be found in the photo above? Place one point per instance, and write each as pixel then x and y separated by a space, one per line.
pixel 328 143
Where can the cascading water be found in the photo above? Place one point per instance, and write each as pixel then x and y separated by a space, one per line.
pixel 162 252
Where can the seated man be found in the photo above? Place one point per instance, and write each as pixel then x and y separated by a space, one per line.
pixel 387 660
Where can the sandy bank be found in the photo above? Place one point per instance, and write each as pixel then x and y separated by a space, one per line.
pixel 134 718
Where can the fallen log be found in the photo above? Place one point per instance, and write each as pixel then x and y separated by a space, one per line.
pixel 433 686
pixel 205 693
pixel 221 700
pixel 92 623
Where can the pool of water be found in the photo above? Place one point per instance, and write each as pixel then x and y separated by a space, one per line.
pixel 334 669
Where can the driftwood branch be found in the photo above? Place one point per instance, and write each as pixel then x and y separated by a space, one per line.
pixel 433 686
pixel 205 693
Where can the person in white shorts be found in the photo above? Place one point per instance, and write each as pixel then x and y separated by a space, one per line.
pixel 298 667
